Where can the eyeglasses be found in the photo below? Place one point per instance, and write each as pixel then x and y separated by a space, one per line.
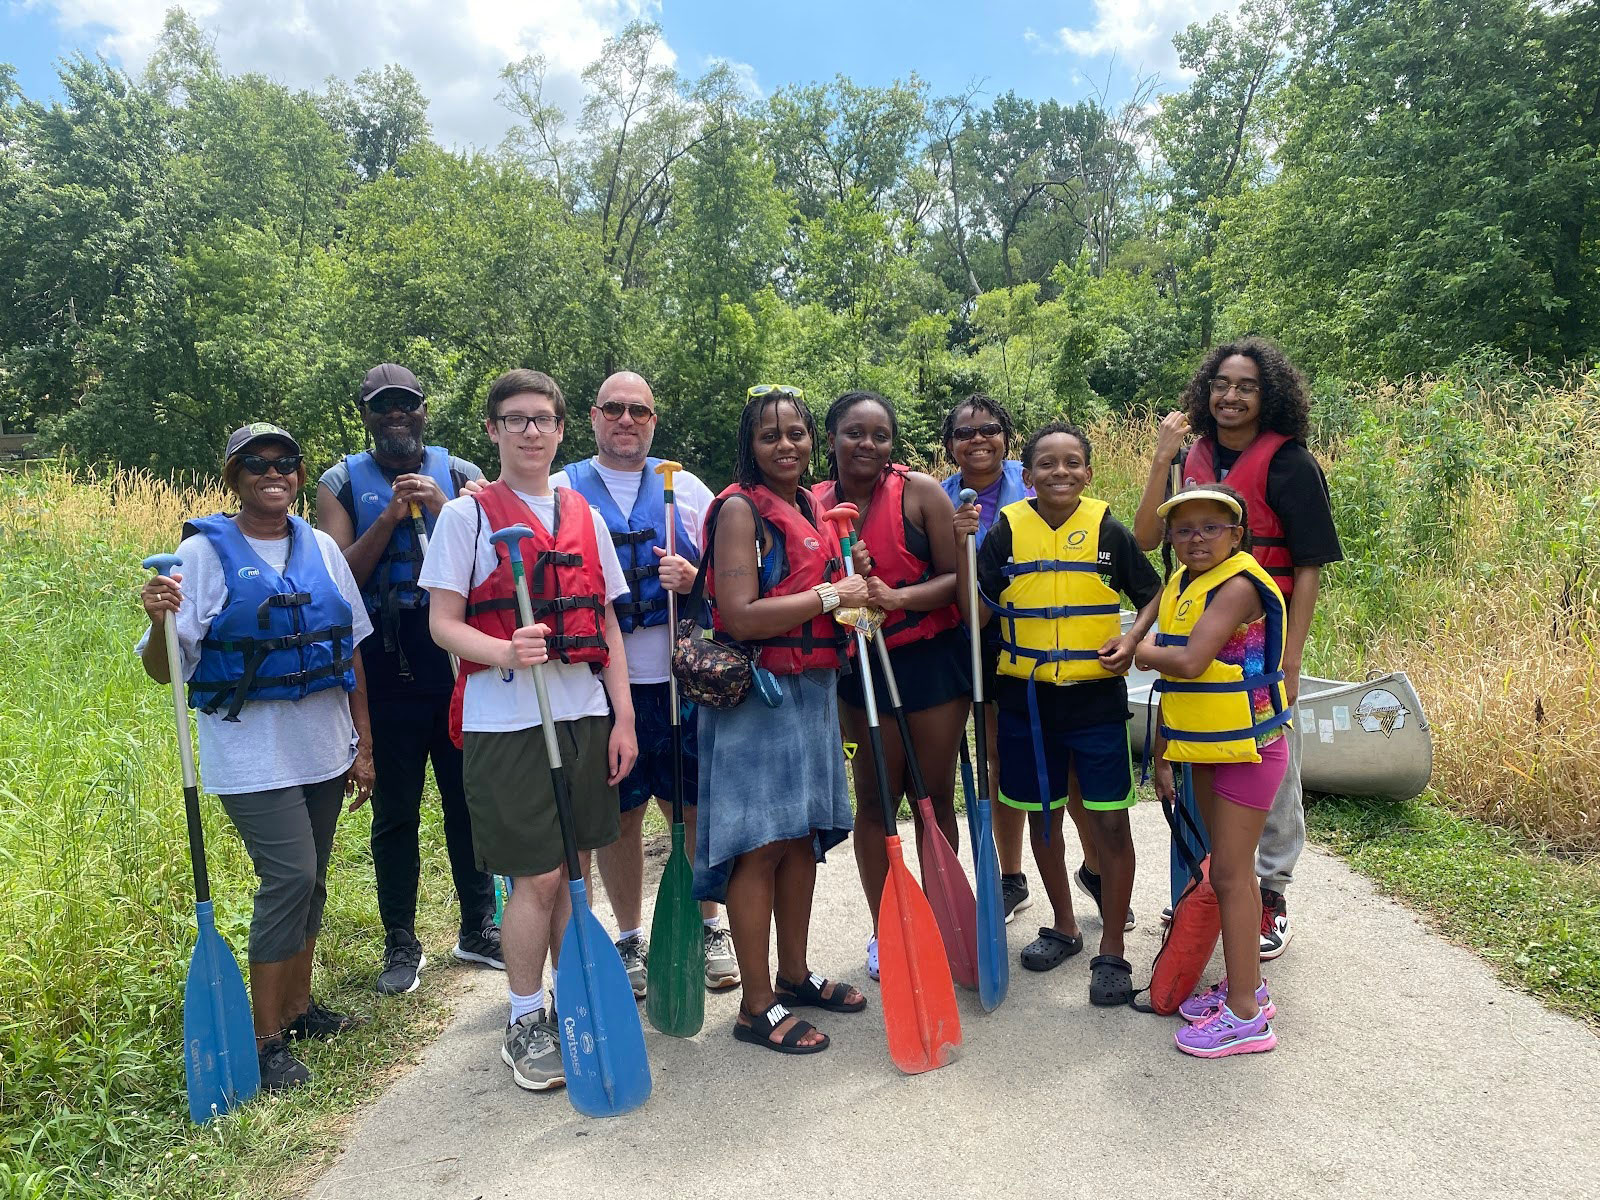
pixel 392 401
pixel 613 410
pixel 965 433
pixel 286 464
pixel 778 391
pixel 519 422
pixel 1245 387
pixel 1179 534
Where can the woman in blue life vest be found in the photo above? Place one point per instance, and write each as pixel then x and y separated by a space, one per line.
pixel 1219 648
pixel 773 793
pixel 267 617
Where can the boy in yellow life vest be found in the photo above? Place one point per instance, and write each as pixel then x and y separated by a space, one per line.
pixel 1052 571
pixel 1224 710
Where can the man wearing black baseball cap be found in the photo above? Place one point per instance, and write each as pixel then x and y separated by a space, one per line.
pixel 380 506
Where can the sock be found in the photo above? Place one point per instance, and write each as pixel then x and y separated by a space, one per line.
pixel 712 922
pixel 521 1006
pixel 625 934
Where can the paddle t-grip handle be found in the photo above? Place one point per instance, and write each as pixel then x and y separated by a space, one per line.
pixel 163 564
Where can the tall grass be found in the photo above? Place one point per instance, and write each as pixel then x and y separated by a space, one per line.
pixel 96 912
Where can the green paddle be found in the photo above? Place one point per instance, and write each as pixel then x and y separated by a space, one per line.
pixel 676 999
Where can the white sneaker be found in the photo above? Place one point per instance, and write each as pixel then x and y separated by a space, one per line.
pixel 872 957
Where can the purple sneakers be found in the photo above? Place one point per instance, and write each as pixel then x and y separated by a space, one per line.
pixel 1226 1034
pixel 1200 1008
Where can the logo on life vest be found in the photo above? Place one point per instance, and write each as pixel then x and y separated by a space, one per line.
pixel 1183 609
pixel 369 498
pixel 1075 538
pixel 813 544
pixel 249 572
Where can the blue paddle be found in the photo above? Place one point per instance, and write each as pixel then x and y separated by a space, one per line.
pixel 994 964
pixel 602 1039
pixel 219 1040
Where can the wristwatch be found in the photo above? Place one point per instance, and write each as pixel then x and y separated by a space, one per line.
pixel 829 595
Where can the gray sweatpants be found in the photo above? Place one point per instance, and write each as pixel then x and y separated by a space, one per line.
pixel 1285 833
pixel 288 833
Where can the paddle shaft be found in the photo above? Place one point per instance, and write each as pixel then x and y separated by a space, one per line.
pixel 869 694
pixel 917 782
pixel 670 500
pixel 191 781
pixel 980 728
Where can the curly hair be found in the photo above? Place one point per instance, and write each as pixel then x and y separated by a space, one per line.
pixel 1044 431
pixel 980 402
pixel 1285 404
pixel 838 409
pixel 745 468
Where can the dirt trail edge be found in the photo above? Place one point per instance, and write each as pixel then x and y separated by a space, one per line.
pixel 1403 1069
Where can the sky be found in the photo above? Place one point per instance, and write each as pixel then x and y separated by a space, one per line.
pixel 1046 48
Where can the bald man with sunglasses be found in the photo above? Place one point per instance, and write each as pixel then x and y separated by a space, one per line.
pixel 621 482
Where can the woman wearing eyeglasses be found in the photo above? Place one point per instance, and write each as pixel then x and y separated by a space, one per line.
pixel 267 618
pixel 1249 407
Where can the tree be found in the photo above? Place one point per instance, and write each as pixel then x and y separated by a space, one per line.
pixel 384 115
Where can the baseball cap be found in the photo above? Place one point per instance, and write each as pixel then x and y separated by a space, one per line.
pixel 386 377
pixel 1184 497
pixel 246 435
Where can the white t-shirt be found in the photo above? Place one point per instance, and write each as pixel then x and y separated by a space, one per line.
pixel 275 743
pixel 494 703
pixel 650 648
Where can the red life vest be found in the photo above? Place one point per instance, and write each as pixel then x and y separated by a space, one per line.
pixel 1249 479
pixel 809 556
pixel 566 584
pixel 884 532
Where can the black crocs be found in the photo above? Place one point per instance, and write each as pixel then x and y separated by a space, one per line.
pixel 761 1028
pixel 810 993
pixel 1110 981
pixel 1050 949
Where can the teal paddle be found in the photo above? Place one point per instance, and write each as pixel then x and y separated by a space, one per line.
pixel 220 1065
pixel 602 1041
pixel 994 966
pixel 676 999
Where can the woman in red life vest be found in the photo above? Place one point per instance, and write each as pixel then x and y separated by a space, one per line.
pixel 773 794
pixel 905 528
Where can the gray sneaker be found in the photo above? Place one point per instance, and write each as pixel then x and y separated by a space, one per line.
pixel 531 1052
pixel 635 952
pixel 722 968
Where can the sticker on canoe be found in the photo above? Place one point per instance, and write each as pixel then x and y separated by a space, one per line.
pixel 1380 710
pixel 1341 718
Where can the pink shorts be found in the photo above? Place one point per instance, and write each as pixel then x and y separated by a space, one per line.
pixel 1254 785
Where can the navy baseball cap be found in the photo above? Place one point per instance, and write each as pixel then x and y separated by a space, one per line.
pixel 387 377
pixel 260 431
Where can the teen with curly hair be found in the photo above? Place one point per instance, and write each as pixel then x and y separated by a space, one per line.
pixel 1249 406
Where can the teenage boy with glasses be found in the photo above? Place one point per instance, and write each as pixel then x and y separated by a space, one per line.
pixel 1250 408
pixel 366 502
pixel 621 482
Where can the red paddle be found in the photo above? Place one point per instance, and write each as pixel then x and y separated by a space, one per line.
pixel 918 995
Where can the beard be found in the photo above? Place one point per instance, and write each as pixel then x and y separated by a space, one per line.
pixel 398 446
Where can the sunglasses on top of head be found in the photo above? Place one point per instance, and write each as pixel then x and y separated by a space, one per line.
pixel 776 391
pixel 393 401
pixel 612 410
pixel 286 464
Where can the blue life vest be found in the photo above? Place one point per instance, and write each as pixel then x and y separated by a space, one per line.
pixel 1012 489
pixel 278 637
pixel 393 582
pixel 635 537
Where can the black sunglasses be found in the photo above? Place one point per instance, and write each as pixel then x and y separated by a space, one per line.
pixel 391 400
pixel 965 433
pixel 613 410
pixel 286 464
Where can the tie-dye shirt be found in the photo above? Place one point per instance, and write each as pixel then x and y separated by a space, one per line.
pixel 1246 648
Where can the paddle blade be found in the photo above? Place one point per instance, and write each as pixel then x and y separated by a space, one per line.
pixel 918 996
pixel 602 1039
pixel 676 999
pixel 949 894
pixel 219 1040
pixel 994 961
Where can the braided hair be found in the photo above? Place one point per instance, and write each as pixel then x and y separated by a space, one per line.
pixel 745 469
pixel 841 406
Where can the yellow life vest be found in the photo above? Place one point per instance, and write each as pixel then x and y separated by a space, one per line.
pixel 1056 611
pixel 1210 719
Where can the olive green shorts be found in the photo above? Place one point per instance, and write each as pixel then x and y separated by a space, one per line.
pixel 512 801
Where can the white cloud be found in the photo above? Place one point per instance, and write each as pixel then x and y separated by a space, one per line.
pixel 1137 31
pixel 456 51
